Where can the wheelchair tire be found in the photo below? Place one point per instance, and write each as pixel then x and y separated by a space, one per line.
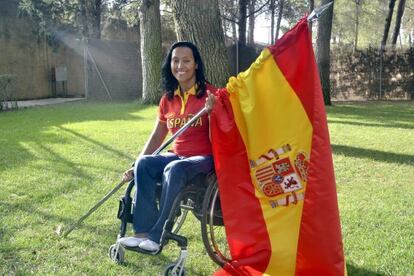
pixel 168 271
pixel 116 257
pixel 212 229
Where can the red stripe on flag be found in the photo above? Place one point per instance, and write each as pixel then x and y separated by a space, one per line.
pixel 267 175
pixel 264 170
pixel 320 249
pixel 245 226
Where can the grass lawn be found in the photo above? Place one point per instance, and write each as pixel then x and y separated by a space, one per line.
pixel 58 161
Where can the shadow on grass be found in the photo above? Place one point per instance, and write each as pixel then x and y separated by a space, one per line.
pixel 384 112
pixel 94 142
pixel 11 260
pixel 354 270
pixel 33 125
pixel 376 155
pixel 393 125
pixel 52 219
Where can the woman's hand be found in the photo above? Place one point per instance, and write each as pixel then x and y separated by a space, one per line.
pixel 210 100
pixel 128 175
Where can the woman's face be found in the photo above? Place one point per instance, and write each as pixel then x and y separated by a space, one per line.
pixel 183 67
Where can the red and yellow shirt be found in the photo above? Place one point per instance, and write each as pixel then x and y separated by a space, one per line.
pixel 177 112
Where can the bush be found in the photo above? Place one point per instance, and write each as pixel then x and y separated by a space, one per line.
pixel 7 101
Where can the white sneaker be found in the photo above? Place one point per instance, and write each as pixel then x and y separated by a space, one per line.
pixel 149 245
pixel 131 241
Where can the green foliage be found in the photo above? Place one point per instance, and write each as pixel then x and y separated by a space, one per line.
pixel 126 10
pixel 6 94
pixel 50 17
pixel 371 22
pixel 294 10
pixel 57 161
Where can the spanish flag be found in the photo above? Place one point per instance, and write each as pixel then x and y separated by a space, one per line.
pixel 274 166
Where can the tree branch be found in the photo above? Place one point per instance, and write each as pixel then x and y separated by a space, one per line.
pixel 229 19
pixel 259 9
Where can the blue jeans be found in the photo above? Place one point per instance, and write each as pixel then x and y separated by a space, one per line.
pixel 173 172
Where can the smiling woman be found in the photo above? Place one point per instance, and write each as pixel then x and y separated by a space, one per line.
pixel 183 67
pixel 186 93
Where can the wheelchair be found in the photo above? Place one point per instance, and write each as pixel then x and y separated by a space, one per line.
pixel 201 197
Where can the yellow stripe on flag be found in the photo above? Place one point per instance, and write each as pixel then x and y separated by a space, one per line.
pixel 269 115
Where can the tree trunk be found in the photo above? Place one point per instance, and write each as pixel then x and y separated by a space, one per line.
pixel 272 21
pixel 151 51
pixel 323 56
pixel 252 18
pixel 234 24
pixel 83 18
pixel 96 19
pixel 311 7
pixel 357 12
pixel 387 24
pixel 400 13
pixel 279 19
pixel 91 11
pixel 242 22
pixel 199 22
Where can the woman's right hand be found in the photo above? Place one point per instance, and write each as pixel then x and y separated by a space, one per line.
pixel 128 175
pixel 210 100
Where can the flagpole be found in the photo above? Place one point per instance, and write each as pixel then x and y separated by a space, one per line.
pixel 156 152
pixel 316 13
pixel 181 130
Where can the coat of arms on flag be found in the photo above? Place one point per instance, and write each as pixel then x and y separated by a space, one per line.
pixel 277 178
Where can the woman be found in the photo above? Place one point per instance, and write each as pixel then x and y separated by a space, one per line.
pixel 186 93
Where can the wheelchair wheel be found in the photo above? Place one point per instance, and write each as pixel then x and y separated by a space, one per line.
pixel 179 220
pixel 169 270
pixel 116 257
pixel 212 229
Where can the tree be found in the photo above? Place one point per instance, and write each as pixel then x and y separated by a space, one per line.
pixel 400 13
pixel 82 19
pixel 357 13
pixel 199 22
pixel 252 17
pixel 279 19
pixel 272 8
pixel 311 7
pixel 94 8
pixel 151 51
pixel 90 14
pixel 236 13
pixel 242 22
pixel 323 50
pixel 228 11
pixel 387 23
pixel 76 16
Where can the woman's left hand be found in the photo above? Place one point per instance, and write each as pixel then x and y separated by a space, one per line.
pixel 210 100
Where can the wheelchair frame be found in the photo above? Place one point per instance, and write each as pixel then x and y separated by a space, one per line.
pixel 201 197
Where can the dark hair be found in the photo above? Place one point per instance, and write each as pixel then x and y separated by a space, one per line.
pixel 170 83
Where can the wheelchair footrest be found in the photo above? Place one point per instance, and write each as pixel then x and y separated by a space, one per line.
pixel 181 241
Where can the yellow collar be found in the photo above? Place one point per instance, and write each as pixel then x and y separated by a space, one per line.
pixel 186 95
pixel 192 91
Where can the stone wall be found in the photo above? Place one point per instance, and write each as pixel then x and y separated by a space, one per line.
pixel 32 60
pixel 368 74
pixel 118 66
